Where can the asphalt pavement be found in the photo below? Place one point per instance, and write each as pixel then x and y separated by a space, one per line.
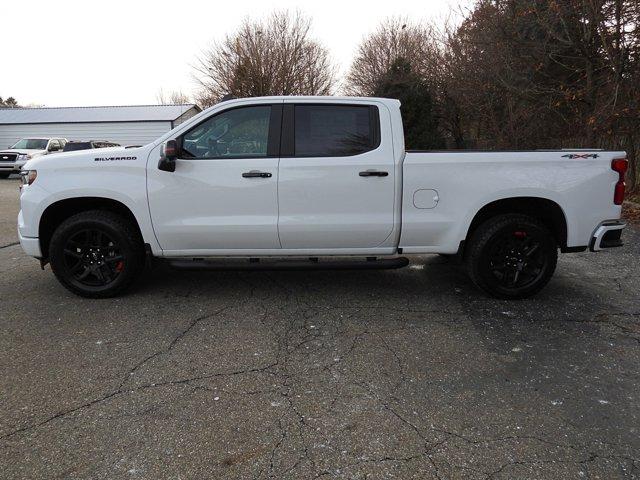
pixel 400 374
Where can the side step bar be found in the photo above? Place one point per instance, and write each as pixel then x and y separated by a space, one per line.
pixel 312 264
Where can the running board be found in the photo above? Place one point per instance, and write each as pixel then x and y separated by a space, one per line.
pixel 370 263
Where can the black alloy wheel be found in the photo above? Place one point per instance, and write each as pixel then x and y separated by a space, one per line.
pixel 96 253
pixel 93 258
pixel 511 256
pixel 516 258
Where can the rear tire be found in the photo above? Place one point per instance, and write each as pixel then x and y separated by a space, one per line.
pixel 511 256
pixel 96 254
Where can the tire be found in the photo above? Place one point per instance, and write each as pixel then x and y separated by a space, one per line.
pixel 5 174
pixel 511 256
pixel 96 254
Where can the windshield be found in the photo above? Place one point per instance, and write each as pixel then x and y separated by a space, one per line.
pixel 31 144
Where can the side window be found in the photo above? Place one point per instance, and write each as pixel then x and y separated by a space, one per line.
pixel 54 145
pixel 237 133
pixel 335 130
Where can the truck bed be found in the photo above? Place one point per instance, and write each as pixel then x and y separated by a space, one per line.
pixel 460 183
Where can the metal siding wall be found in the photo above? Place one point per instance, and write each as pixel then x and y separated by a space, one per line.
pixel 185 116
pixel 124 133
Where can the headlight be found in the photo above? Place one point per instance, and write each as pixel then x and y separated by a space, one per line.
pixel 24 157
pixel 28 176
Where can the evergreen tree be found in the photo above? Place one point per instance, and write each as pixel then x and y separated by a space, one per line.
pixel 420 122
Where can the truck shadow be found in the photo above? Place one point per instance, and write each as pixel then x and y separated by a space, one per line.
pixel 430 289
pixel 429 283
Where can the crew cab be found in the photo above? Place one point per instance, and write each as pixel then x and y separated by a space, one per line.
pixel 314 182
pixel 13 158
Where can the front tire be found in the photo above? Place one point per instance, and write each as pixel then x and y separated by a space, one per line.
pixel 511 256
pixel 96 254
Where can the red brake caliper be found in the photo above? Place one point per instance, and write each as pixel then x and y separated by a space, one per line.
pixel 120 266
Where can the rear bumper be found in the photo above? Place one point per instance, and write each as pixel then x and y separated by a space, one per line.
pixel 31 246
pixel 607 235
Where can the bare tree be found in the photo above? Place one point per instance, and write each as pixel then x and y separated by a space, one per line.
pixel 271 57
pixel 543 74
pixel 174 97
pixel 395 38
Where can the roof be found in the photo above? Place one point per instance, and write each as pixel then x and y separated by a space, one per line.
pixel 128 113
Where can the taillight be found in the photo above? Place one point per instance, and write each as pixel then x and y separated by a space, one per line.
pixel 619 165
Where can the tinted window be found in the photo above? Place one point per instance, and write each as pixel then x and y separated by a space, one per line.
pixel 240 133
pixel 333 130
pixel 54 145
pixel 73 146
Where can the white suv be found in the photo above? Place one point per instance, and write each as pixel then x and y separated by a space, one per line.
pixel 12 159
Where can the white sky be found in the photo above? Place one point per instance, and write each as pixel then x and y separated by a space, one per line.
pixel 78 53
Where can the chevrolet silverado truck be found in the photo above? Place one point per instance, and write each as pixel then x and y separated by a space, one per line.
pixel 13 159
pixel 314 182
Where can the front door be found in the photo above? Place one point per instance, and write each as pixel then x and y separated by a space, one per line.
pixel 223 194
pixel 337 179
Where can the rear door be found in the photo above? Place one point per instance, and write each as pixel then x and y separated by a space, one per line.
pixel 336 177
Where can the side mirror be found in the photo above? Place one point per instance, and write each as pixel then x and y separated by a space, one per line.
pixel 168 155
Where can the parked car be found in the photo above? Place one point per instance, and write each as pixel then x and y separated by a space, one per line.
pixel 12 159
pixel 74 145
pixel 318 178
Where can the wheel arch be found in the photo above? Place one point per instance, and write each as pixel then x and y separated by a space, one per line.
pixel 543 209
pixel 59 211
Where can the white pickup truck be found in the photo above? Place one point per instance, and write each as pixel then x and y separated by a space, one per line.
pixel 314 182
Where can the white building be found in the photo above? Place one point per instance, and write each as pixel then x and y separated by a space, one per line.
pixel 126 125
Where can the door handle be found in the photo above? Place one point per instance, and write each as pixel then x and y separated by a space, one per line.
pixel 373 173
pixel 256 174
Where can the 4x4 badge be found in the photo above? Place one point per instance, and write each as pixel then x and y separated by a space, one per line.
pixel 580 155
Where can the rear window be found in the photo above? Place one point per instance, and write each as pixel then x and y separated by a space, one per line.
pixel 72 146
pixel 335 130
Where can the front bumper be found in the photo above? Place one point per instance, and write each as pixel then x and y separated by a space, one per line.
pixel 13 167
pixel 31 246
pixel 607 235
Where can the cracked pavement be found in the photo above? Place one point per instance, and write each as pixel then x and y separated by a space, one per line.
pixel 402 374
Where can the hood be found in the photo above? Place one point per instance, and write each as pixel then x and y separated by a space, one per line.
pixel 23 151
pixel 81 157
